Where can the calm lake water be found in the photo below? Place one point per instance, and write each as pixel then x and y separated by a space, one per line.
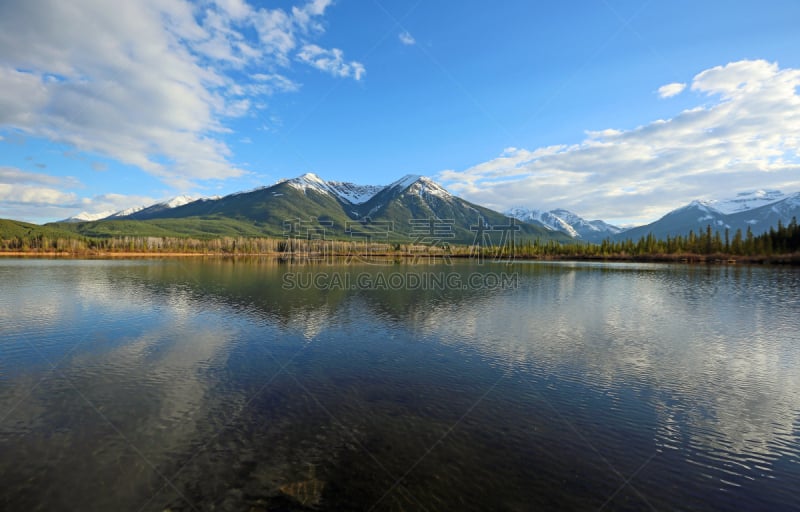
pixel 221 384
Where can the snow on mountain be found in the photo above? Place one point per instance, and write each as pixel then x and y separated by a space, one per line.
pixel 706 211
pixel 763 218
pixel 583 226
pixel 111 214
pixel 793 201
pixel 423 186
pixel 88 217
pixel 521 213
pixel 695 216
pixel 405 182
pixel 344 191
pixel 179 201
pixel 175 202
pixel 352 193
pixel 546 219
pixel 126 212
pixel 786 207
pixel 567 222
pixel 309 181
pixel 747 201
pixel 360 194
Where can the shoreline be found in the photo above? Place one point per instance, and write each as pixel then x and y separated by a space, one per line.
pixel 707 259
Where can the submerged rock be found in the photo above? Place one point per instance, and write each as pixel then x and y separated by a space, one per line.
pixel 306 492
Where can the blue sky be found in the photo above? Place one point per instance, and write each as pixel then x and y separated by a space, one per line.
pixel 620 110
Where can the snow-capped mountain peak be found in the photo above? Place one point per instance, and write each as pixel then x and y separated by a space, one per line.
pixel 179 201
pixel 419 185
pixel 406 181
pixel 309 181
pixel 705 210
pixel 701 205
pixel 424 186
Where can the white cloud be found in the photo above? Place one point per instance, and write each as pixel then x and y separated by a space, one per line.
pixel 406 38
pixel 33 195
pixel 276 33
pixel 269 83
pixel 235 9
pixel 305 15
pixel 745 77
pixel 149 83
pixel 12 175
pixel 746 138
pixel 41 198
pixel 330 61
pixel 670 90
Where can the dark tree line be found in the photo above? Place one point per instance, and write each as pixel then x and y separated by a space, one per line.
pixel 139 244
pixel 779 240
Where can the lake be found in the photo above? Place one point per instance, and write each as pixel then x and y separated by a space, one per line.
pixel 254 385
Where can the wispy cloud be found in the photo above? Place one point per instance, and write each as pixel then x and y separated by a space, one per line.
pixel 14 176
pixel 151 84
pixel 670 90
pixel 406 38
pixel 742 137
pixel 330 61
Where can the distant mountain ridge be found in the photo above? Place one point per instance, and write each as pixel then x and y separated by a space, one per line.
pixel 89 217
pixel 130 212
pixel 567 222
pixel 758 210
pixel 758 215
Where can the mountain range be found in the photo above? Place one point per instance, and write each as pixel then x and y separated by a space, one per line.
pixel 391 211
pixel 758 210
pixel 411 208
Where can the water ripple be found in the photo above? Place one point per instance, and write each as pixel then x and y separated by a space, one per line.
pixel 656 385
